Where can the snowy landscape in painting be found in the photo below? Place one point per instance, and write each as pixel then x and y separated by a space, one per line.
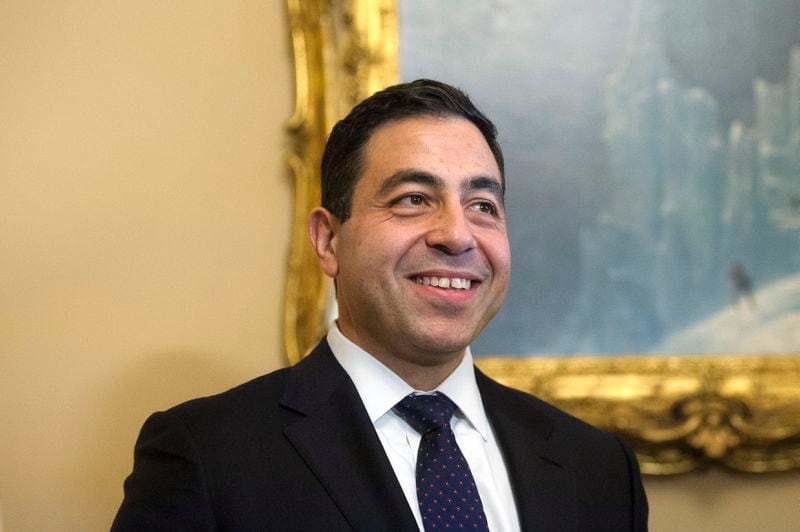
pixel 653 167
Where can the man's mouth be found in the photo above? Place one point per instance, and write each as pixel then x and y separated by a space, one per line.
pixel 456 283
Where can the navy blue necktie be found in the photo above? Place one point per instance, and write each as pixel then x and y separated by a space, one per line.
pixel 448 497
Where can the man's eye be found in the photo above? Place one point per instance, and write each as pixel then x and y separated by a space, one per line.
pixel 412 199
pixel 485 207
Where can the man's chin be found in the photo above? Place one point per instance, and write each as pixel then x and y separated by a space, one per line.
pixel 436 350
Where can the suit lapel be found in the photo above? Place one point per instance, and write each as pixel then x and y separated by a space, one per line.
pixel 338 443
pixel 544 489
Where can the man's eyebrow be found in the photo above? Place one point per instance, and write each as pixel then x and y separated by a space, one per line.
pixel 486 183
pixel 402 177
pixel 422 177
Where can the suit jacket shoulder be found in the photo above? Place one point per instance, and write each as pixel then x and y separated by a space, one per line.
pixel 292 450
pixel 587 479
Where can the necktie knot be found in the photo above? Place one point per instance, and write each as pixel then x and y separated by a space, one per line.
pixel 426 412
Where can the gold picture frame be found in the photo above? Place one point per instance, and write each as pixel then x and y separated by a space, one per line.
pixel 679 412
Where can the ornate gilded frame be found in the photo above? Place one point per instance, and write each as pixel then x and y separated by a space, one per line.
pixel 679 412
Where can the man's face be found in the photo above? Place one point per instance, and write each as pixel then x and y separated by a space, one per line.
pixel 427 210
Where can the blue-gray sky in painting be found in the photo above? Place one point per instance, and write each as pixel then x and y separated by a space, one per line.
pixel 635 157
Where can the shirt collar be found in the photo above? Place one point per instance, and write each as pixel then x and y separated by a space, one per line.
pixel 380 388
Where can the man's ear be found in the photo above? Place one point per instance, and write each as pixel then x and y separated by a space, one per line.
pixel 323 229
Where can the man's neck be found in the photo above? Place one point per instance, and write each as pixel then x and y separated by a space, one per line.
pixel 423 378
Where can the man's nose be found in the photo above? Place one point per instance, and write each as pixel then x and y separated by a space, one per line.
pixel 451 231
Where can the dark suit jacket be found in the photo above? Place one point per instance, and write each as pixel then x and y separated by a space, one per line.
pixel 295 450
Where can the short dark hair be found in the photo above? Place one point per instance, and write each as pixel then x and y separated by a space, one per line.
pixel 342 160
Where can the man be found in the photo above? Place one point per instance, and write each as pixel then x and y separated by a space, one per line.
pixel 387 425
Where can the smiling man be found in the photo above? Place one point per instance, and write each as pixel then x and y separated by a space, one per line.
pixel 422 260
pixel 387 425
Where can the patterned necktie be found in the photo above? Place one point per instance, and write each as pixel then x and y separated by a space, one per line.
pixel 448 497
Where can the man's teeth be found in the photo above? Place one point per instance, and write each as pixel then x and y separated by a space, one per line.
pixel 445 282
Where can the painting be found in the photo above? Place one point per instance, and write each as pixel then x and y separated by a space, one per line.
pixel 653 166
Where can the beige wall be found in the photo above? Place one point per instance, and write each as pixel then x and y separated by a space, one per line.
pixel 144 221
pixel 144 214
pixel 719 501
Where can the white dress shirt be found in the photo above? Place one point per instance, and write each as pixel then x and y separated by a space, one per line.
pixel 380 389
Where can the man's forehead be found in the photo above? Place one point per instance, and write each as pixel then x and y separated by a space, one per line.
pixel 426 142
pixel 410 127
